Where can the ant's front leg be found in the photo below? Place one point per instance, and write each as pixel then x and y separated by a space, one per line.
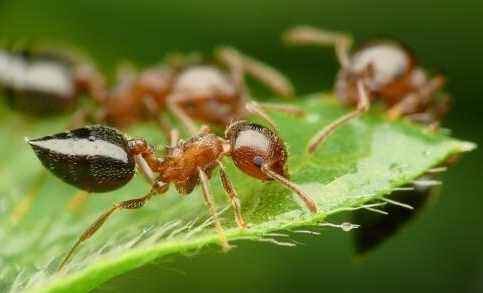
pixel 157 188
pixel 306 35
pixel 363 106
pixel 232 196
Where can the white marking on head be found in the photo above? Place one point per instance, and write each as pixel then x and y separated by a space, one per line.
pixel 83 147
pixel 252 139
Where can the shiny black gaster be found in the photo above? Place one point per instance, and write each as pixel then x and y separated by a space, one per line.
pixel 94 159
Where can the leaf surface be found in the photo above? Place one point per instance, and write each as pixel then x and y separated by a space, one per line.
pixel 360 163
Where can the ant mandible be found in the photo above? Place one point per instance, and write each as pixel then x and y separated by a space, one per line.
pixel 43 82
pixel 103 160
pixel 189 88
pixel 382 69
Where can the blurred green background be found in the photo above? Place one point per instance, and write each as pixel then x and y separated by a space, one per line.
pixel 441 251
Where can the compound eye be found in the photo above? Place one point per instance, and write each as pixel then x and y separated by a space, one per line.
pixel 258 161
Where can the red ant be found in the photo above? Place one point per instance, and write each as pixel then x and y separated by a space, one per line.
pixel 211 92
pixel 382 69
pixel 103 160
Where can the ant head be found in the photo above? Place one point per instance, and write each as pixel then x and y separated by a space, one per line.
pixel 94 159
pixel 255 149
pixel 385 65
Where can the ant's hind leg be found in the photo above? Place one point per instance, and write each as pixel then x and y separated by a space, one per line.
pixel 362 107
pixel 232 196
pixel 306 35
pixel 267 75
pixel 137 203
pixel 211 207
pixel 27 199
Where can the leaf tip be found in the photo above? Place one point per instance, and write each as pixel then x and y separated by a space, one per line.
pixel 467 146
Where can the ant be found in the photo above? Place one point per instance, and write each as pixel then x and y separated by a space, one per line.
pixel 213 92
pixel 103 160
pixel 382 69
pixel 43 82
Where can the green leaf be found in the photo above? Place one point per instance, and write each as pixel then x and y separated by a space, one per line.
pixel 362 162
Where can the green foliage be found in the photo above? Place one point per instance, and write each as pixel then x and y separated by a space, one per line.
pixel 362 162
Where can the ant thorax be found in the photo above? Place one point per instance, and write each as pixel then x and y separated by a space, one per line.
pixel 182 162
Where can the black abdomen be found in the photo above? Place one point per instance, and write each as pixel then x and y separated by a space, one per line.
pixel 94 159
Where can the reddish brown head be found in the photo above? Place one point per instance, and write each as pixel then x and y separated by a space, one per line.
pixel 254 147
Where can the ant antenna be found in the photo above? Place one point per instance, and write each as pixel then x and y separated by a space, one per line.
pixel 309 203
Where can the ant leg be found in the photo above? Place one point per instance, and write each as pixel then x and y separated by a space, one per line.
pixel 422 96
pixel 306 35
pixel 144 169
pixel 153 109
pixel 77 201
pixel 232 196
pixel 239 63
pixel 24 205
pixel 309 203
pixel 158 188
pixel 363 106
pixel 287 109
pixel 211 207
pixel 172 103
pixel 173 138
